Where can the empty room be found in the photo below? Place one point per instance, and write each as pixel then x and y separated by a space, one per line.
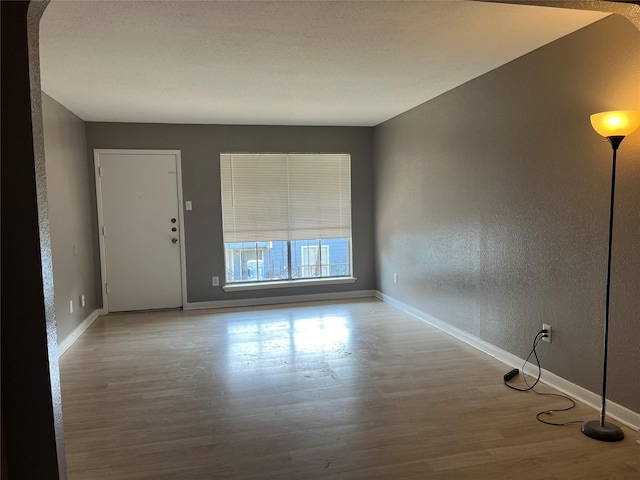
pixel 320 239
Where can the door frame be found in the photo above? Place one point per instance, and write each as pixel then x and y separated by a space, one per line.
pixel 103 265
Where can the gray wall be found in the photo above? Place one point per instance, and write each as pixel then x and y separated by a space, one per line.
pixel 72 218
pixel 492 200
pixel 201 146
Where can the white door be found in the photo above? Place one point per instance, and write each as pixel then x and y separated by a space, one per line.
pixel 139 205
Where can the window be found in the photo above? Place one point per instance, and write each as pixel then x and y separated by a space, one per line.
pixel 286 217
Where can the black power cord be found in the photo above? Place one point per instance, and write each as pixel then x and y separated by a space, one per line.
pixel 508 376
pixel 537 339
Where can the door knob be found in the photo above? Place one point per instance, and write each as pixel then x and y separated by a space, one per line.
pixel 174 240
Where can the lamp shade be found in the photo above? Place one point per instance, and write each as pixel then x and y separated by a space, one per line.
pixel 619 123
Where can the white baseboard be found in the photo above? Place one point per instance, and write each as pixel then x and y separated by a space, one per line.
pixel 614 410
pixel 252 302
pixel 65 344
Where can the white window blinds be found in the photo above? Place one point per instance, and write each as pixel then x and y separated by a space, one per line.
pixel 268 197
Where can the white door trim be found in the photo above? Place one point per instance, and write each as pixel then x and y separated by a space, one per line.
pixel 103 269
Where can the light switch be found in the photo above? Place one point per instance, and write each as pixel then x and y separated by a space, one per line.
pixel 188 205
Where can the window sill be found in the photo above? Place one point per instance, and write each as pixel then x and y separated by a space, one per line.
pixel 240 287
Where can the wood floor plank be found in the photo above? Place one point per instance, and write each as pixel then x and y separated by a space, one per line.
pixel 340 390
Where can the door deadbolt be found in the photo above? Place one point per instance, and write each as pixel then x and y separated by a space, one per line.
pixel 173 220
pixel 174 240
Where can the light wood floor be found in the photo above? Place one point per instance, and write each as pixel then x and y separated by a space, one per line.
pixel 347 390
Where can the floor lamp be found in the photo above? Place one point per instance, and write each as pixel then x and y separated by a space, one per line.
pixel 614 126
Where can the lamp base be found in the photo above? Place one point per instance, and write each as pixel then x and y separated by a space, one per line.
pixel 607 433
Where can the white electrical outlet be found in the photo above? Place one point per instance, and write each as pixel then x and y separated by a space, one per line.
pixel 395 278
pixel 70 306
pixel 548 329
pixel 215 281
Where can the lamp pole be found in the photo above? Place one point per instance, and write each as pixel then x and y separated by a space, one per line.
pixel 601 430
pixel 615 143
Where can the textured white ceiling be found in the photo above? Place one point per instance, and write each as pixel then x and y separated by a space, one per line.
pixel 279 63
